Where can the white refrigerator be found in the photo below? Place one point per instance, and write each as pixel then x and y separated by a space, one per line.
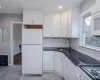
pixel 32 51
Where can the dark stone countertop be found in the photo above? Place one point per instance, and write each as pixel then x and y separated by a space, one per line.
pixel 76 57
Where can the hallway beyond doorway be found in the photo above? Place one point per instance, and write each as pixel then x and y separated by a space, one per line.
pixel 18 59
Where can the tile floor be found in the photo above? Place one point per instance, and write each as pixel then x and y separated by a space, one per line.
pixel 14 73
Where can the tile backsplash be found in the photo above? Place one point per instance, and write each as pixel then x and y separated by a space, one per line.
pixel 55 42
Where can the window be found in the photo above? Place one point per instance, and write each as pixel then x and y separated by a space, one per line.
pixel 87 39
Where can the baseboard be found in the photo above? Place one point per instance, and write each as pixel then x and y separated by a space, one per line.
pixel 59 74
pixel 48 71
pixel 51 71
pixel 10 65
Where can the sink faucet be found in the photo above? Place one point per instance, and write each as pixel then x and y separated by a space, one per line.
pixel 69 45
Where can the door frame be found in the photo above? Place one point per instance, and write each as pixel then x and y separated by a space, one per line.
pixel 11 43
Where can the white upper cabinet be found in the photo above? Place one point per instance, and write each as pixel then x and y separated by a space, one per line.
pixel 96 8
pixel 98 5
pixel 64 24
pixel 47 29
pixel 33 17
pixel 55 25
pixel 98 2
pixel 73 22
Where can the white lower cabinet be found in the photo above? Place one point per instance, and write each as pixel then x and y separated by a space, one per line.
pixel 48 61
pixel 69 69
pixel 52 61
pixel 65 72
pixel 71 72
pixel 58 62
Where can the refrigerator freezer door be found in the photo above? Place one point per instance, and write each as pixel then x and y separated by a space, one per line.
pixel 32 36
pixel 32 59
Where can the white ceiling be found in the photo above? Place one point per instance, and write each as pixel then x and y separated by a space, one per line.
pixel 17 6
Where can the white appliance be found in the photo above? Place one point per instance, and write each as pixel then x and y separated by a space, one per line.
pixel 32 51
pixel 96 24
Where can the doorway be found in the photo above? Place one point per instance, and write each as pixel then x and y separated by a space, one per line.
pixel 16 43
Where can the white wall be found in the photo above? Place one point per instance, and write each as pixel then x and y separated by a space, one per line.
pixel 86 4
pixel 5 22
pixel 92 53
pixel 17 38
pixel 50 42
pixel 75 42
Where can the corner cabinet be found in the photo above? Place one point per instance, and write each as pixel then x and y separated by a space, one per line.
pixel 69 69
pixel 73 22
pixel 33 17
pixel 63 24
pixel 57 62
pixel 52 62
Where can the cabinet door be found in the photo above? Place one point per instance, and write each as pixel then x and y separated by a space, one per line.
pixel 32 17
pixel 69 33
pixel 48 60
pixel 65 72
pixel 72 70
pixel 32 59
pixel 31 36
pixel 56 25
pixel 64 24
pixel 69 69
pixel 47 29
pixel 58 63
pixel 98 5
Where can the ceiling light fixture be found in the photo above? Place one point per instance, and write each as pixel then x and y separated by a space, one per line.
pixel 60 7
